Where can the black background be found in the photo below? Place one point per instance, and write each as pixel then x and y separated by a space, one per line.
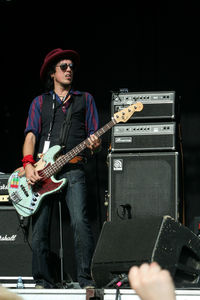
pixel 141 46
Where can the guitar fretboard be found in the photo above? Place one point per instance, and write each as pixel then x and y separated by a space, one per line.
pixel 61 161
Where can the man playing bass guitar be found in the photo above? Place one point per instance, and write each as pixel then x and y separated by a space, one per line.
pixel 61 116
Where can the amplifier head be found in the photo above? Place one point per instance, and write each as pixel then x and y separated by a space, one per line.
pixel 144 136
pixel 157 105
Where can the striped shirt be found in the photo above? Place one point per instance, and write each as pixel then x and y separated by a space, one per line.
pixel 33 123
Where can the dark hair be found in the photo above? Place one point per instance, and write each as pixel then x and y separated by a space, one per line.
pixel 48 82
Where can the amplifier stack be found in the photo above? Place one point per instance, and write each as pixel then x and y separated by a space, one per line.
pixel 143 162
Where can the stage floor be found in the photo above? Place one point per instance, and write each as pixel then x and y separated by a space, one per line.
pixel 30 293
pixel 80 294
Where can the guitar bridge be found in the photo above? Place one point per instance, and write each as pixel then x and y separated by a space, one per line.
pixel 15 197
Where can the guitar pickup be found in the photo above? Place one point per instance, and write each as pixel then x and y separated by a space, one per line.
pixel 24 190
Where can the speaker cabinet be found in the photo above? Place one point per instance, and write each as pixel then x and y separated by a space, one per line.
pixel 146 239
pixel 15 252
pixel 143 184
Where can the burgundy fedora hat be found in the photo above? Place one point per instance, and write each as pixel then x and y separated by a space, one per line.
pixel 55 55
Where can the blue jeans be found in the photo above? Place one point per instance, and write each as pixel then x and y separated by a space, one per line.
pixel 83 240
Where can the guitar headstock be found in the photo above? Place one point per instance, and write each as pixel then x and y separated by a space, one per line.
pixel 125 114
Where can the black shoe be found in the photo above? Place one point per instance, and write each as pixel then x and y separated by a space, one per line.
pixel 38 286
pixel 87 284
pixel 43 284
pixel 87 287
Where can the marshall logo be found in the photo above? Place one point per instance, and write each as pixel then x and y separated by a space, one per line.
pixel 3 187
pixel 4 183
pixel 7 238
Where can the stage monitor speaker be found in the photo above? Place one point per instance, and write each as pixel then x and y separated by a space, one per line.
pixel 143 184
pixel 124 244
pixel 15 252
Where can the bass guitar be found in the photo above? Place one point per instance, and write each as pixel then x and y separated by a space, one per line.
pixel 27 198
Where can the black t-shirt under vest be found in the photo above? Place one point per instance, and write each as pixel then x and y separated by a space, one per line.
pixel 77 132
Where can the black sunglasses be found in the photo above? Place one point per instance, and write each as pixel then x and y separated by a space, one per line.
pixel 64 66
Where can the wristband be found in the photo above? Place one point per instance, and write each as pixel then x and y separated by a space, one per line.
pixel 28 159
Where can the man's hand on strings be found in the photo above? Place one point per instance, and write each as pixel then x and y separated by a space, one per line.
pixel 32 175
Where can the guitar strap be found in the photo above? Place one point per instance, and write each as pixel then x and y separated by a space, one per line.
pixel 65 126
pixel 47 141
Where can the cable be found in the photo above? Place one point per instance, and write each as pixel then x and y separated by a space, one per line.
pixel 24 228
pixel 119 284
pixel 118 295
pixel 113 281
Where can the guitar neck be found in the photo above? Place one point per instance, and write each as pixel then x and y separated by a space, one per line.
pixel 61 161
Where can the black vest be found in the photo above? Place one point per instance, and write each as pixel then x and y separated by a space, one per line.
pixel 77 132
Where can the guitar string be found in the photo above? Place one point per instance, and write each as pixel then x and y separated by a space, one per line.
pixel 47 173
pixel 59 162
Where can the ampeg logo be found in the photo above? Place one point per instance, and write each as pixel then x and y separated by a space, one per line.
pixel 117 164
pixel 8 238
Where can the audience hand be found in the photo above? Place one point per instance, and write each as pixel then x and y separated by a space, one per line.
pixel 5 294
pixel 150 282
